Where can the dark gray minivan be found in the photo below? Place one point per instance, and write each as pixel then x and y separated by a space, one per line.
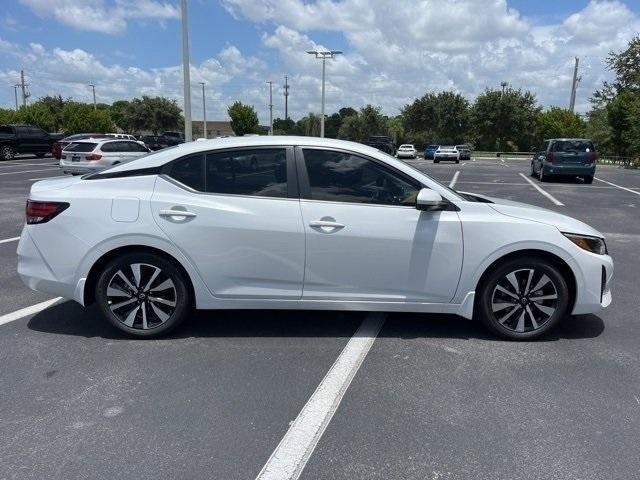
pixel 565 156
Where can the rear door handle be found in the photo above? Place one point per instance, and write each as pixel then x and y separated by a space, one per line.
pixel 326 226
pixel 177 213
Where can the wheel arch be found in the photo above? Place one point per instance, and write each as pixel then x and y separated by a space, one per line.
pixel 566 271
pixel 96 268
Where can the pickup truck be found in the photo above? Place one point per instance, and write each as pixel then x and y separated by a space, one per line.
pixel 15 139
pixel 382 142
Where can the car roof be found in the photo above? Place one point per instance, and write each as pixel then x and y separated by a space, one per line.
pixel 161 157
pixel 102 140
pixel 568 139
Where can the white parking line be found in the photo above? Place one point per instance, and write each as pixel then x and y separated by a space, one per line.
pixel 29 171
pixel 454 179
pixel 292 453
pixel 9 165
pixel 8 240
pixel 25 312
pixel 546 194
pixel 618 186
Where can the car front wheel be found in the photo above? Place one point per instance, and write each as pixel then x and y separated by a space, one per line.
pixel 7 152
pixel 523 299
pixel 143 294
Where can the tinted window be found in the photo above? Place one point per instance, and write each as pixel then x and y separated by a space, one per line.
pixel 133 147
pixel 80 147
pixel 343 177
pixel 109 147
pixel 571 146
pixel 36 132
pixel 6 130
pixel 260 172
pixel 188 171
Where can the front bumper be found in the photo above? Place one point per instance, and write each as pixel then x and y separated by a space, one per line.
pixel 593 286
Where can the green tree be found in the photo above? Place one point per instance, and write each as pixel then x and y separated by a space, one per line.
pixel 396 129
pixel 283 127
pixel 82 118
pixel 153 113
pixel 244 119
pixel 560 123
pixel 505 121
pixel 54 104
pixel 36 114
pixel 121 115
pixel 626 66
pixel 445 115
pixel 351 129
pixel 599 130
pixel 622 116
pixel 7 116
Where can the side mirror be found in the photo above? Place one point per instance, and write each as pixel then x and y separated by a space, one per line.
pixel 430 200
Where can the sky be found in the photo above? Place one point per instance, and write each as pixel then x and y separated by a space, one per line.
pixel 394 50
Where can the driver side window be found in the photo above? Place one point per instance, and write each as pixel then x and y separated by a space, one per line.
pixel 343 177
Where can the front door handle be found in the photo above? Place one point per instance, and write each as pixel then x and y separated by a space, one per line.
pixel 326 225
pixel 177 214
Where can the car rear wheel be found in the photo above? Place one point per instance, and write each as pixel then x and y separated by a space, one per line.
pixel 40 154
pixel 7 152
pixel 541 175
pixel 523 299
pixel 436 161
pixel 588 180
pixel 143 294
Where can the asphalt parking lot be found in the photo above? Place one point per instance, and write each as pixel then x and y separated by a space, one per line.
pixel 434 398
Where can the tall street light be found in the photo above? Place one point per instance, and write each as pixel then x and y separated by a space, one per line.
pixel 204 111
pixel 323 55
pixel 188 136
pixel 93 86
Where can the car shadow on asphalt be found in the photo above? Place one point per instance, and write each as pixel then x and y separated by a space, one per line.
pixel 69 318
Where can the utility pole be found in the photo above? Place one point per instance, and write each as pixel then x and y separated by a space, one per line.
pixel 188 135
pixel 323 56
pixel 25 92
pixel 93 87
pixel 204 111
pixel 504 85
pixel 286 98
pixel 270 107
pixel 574 86
pixel 15 92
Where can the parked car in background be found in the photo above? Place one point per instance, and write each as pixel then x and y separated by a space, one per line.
pixel 173 138
pixel 154 142
pixel 124 136
pixel 565 156
pixel 430 151
pixel 88 156
pixel 449 154
pixel 464 151
pixel 16 139
pixel 407 151
pixel 57 147
pixel 150 240
pixel 382 142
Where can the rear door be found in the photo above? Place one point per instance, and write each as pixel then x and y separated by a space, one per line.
pixel 573 152
pixel 242 229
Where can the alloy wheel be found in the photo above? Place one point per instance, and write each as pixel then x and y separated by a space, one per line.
pixel 141 296
pixel 524 300
pixel 7 153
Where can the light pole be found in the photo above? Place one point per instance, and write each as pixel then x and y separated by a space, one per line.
pixel 186 77
pixel 94 95
pixel 204 111
pixel 270 107
pixel 15 92
pixel 323 55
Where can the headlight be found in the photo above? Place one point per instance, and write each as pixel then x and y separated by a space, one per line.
pixel 590 244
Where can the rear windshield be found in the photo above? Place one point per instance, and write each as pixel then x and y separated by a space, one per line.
pixel 577 146
pixel 406 146
pixel 81 147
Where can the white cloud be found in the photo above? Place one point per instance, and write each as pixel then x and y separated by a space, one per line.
pixel 99 16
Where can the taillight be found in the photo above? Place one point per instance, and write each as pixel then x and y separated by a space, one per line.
pixel 42 212
pixel 593 157
pixel 93 156
pixel 550 157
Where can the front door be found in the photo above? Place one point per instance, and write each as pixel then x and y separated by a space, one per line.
pixel 240 226
pixel 365 238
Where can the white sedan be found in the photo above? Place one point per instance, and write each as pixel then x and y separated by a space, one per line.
pixel 407 151
pixel 326 224
pixel 446 153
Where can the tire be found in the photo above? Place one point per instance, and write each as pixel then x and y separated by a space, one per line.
pixel 41 154
pixel 541 175
pixel 533 170
pixel 146 318
pixel 436 161
pixel 7 152
pixel 457 161
pixel 588 180
pixel 514 313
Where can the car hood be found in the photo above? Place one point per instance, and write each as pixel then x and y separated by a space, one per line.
pixel 564 223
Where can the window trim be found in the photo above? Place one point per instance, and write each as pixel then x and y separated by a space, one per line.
pixel 292 177
pixel 305 185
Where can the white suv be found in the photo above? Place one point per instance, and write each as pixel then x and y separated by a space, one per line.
pixel 92 155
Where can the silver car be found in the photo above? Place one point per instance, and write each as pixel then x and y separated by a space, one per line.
pixel 93 155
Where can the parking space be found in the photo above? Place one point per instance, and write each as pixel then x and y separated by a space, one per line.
pixel 435 397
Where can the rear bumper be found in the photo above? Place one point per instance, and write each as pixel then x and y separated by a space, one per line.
pixel 406 154
pixel 559 169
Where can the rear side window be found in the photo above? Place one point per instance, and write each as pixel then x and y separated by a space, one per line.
pixel 188 171
pixel 343 177
pixel 259 172
pixel 109 147
pixel 135 147
pixel 81 147
pixel 573 146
